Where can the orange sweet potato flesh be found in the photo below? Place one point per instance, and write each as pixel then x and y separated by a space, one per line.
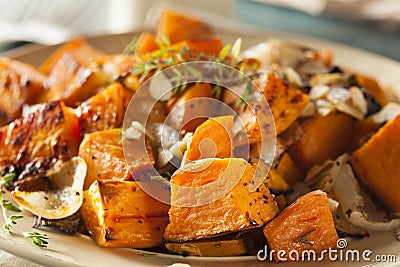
pixel 286 103
pixel 104 156
pixel 288 170
pixel 373 87
pixel 212 139
pixel 307 224
pixel 179 27
pixel 121 214
pixel 78 48
pixel 325 137
pixel 377 164
pixel 209 47
pixel 362 130
pixel 103 111
pixel 237 210
pixel 190 109
pixel 70 78
pixel 52 131
pixel 20 83
pixel 146 43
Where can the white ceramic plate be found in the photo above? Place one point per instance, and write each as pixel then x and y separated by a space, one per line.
pixel 79 250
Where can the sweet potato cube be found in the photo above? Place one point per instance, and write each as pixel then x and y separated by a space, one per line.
pixel 121 214
pixel 377 164
pixel 307 224
pixel 103 111
pixel 70 78
pixel 179 27
pixel 52 131
pixel 212 139
pixel 237 210
pixel 215 247
pixel 285 102
pixel 288 170
pixel 146 43
pixel 20 83
pixel 325 137
pixel 105 159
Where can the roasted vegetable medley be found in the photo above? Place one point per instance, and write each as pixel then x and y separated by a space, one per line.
pixel 334 171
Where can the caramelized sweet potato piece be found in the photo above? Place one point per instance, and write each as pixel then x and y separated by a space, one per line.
pixel 52 131
pixel 373 87
pixel 212 139
pixel 208 47
pixel 146 43
pixel 307 224
pixel 104 156
pixel 219 247
pixel 276 184
pixel 236 210
pixel 121 214
pixel 325 137
pixel 286 103
pixel 377 164
pixel 81 51
pixel 362 130
pixel 70 78
pixel 179 27
pixel 103 111
pixel 20 83
pixel 189 109
pixel 288 170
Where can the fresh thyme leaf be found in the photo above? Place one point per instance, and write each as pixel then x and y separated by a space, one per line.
pixel 303 238
pixel 217 91
pixel 247 91
pixel 236 47
pixel 224 52
pixel 40 240
pixel 6 179
pixel 130 48
pixel 9 206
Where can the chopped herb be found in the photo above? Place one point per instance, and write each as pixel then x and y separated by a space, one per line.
pixel 40 240
pixel 304 238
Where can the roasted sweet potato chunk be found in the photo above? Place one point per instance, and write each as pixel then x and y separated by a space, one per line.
pixel 236 210
pixel 220 247
pixel 307 224
pixel 52 131
pixel 113 223
pixel 103 111
pixel 20 83
pixel 70 78
pixel 212 139
pixel 179 27
pixel 104 157
pixel 285 102
pixel 325 137
pixel 146 43
pixel 377 164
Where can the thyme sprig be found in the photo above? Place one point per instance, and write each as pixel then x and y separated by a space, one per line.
pixel 166 56
pixel 304 238
pixel 38 239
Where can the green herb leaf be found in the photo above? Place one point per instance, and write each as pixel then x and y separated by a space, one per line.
pixel 303 238
pixel 224 52
pixel 38 239
pixel 9 206
pixel 236 47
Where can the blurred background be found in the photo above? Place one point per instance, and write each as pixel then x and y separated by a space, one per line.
pixel 373 25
